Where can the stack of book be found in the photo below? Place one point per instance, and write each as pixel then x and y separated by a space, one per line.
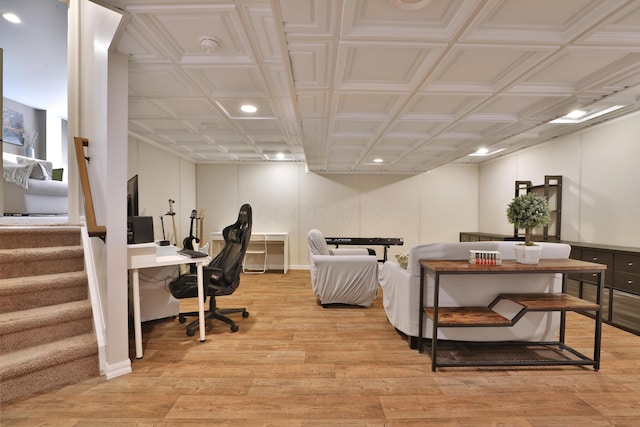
pixel 480 257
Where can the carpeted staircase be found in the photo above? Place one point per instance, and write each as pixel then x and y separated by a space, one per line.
pixel 46 325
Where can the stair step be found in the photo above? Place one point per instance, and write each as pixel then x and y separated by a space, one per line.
pixel 34 237
pixel 25 328
pixel 47 366
pixel 47 336
pixel 22 293
pixel 39 261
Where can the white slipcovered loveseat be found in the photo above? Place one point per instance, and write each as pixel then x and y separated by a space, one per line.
pixel 401 292
pixel 29 187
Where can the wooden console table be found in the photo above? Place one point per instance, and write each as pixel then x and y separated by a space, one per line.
pixel 483 316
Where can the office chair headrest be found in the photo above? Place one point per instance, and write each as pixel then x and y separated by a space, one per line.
pixel 244 216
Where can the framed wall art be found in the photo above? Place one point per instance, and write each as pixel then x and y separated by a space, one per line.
pixel 12 127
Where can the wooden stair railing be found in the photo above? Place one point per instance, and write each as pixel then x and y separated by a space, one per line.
pixel 93 228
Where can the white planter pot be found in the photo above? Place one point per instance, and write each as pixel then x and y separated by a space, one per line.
pixel 527 254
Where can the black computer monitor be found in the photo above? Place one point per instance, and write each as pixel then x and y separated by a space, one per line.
pixel 132 196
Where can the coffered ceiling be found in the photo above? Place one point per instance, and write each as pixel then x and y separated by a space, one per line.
pixel 339 83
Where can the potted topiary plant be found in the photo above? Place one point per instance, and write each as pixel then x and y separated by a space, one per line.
pixel 528 211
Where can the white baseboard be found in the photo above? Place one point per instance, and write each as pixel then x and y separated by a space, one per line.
pixel 118 369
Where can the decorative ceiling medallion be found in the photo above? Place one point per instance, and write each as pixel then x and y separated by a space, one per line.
pixel 410 4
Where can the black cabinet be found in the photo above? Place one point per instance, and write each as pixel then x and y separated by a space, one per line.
pixel 622 282
pixel 466 236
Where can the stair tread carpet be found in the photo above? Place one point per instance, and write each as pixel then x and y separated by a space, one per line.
pixel 15 321
pixel 43 356
pixel 38 261
pixel 20 293
pixel 24 237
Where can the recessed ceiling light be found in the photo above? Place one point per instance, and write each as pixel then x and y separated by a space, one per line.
pixel 248 108
pixel 11 17
pixel 576 114
pixel 378 160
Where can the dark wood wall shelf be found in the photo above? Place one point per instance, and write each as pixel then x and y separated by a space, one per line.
pixel 552 191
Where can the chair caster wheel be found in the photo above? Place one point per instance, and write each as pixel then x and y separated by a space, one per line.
pixel 245 314
pixel 234 328
pixel 182 319
pixel 190 333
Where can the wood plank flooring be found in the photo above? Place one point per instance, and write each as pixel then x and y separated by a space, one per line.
pixel 294 363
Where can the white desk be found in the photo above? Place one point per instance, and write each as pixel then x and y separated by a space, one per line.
pixel 217 242
pixel 146 255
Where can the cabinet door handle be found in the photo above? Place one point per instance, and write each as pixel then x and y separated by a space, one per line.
pixel 595 258
pixel 630 264
pixel 629 282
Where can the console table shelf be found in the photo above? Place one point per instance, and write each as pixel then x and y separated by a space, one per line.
pixel 468 317
pixel 442 317
pixel 549 302
pixel 485 316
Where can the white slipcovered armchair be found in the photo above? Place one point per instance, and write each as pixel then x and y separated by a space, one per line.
pixel 341 276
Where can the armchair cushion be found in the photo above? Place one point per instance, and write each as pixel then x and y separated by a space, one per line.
pixel 403 260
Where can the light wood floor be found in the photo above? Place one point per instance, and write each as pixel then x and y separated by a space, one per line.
pixel 293 363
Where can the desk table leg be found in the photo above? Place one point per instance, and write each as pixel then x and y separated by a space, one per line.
pixel 201 324
pixel 137 324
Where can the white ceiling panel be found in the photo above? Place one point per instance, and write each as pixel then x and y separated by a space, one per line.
pixel 372 106
pixel 339 82
pixel 365 19
pixel 360 65
pixel 232 82
pixel 310 64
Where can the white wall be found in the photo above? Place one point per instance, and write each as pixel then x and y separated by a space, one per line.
pixel 163 176
pixel 601 196
pixel 426 208
pixel 431 207
pixel 98 111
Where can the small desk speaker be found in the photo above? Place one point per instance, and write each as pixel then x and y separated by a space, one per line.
pixel 139 229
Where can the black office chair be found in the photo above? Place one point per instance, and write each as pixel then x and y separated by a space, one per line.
pixel 221 276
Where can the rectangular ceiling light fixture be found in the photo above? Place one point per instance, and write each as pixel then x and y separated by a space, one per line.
pixel 574 117
pixel 484 152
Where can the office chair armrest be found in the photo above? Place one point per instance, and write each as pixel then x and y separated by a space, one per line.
pixel 211 273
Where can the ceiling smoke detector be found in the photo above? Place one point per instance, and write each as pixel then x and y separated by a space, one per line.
pixel 209 44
